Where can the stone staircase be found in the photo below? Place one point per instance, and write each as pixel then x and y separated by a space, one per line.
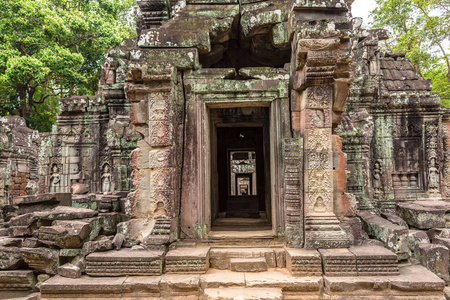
pixel 231 272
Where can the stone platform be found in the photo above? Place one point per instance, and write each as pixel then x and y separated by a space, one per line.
pixel 413 282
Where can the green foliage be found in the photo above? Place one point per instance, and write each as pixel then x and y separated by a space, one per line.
pixel 54 48
pixel 420 27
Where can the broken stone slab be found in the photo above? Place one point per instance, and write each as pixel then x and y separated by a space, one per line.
pixel 134 230
pixel 338 262
pixel 33 203
pixel 118 240
pixel 109 203
pixel 17 280
pixel 187 260
pixel 33 199
pixel 11 242
pixel 393 236
pixel 89 201
pixel 109 223
pixel 10 258
pixel 416 237
pixel 393 218
pixel 44 260
pixel 423 214
pixel 101 245
pixel 375 261
pixel 65 234
pixel 434 258
pixel 31 242
pixel 438 232
pixel 302 262
pixel 22 220
pixel 124 262
pixel 37 219
pixel 19 231
pixel 442 241
pixel 70 271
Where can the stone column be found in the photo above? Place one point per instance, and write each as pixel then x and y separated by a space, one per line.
pixel 156 114
pixel 322 77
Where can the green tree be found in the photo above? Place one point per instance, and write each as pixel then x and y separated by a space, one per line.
pixel 420 27
pixel 54 48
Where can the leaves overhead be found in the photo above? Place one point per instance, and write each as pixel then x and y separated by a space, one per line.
pixel 420 27
pixel 55 48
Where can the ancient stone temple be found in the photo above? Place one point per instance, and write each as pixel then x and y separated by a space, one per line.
pixel 236 149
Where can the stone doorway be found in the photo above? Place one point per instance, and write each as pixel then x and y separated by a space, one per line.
pixel 240 190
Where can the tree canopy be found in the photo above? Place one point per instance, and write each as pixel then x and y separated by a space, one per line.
pixel 422 28
pixel 54 48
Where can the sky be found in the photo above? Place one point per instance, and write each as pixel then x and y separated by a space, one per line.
pixel 362 8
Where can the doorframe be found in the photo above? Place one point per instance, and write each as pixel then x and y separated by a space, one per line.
pixel 196 196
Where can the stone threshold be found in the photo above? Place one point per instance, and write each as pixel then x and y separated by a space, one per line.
pixel 414 282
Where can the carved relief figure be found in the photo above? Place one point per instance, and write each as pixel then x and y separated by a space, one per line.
pixel 433 176
pixel 319 206
pixel 377 187
pixel 106 179
pixel 55 180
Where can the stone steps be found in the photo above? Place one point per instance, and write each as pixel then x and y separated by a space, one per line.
pixel 248 264
pixel 413 282
pixel 242 294
pixel 354 261
pixel 246 259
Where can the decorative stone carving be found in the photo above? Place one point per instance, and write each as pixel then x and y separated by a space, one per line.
pixel 377 179
pixel 106 179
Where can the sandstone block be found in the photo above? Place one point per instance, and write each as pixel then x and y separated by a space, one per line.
pixel 41 259
pixel 434 258
pixel 243 294
pixel 421 215
pixel 394 237
pixel 132 230
pixel 65 213
pixel 124 262
pixel 68 234
pixel 372 260
pixel 10 258
pixel 118 240
pixel 393 218
pixel 103 244
pixel 338 262
pixel 220 257
pixel 177 285
pixel 187 260
pixel 221 279
pixel 17 280
pixel 70 271
pixel 417 237
pixel 438 232
pixel 301 262
pixel 248 265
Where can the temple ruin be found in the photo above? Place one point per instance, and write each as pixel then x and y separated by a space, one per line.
pixel 236 149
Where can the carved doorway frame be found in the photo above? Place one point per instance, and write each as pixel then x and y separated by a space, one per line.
pixel 196 195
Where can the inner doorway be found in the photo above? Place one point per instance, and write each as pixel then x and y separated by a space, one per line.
pixel 242 193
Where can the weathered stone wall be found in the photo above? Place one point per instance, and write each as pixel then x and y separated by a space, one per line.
pixel 18 158
pixel 391 129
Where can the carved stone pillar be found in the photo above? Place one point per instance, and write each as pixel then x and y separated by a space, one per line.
pixel 322 78
pixel 157 112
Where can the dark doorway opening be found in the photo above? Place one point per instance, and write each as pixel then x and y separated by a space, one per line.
pixel 241 160
pixel 240 167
